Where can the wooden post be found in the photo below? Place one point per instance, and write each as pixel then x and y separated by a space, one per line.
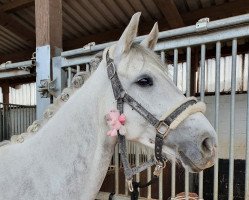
pixel 48 14
pixel 48 20
pixel 5 92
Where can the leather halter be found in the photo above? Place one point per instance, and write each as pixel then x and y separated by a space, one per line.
pixel 162 126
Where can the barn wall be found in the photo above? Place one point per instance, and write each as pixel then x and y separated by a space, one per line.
pixel 224 124
pixel 24 94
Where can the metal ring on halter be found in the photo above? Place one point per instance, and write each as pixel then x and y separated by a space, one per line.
pixel 130 185
pixel 159 167
pixel 163 129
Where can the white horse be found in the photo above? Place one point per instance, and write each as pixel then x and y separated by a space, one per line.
pixel 69 156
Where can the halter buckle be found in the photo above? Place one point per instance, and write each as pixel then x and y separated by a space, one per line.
pixel 162 128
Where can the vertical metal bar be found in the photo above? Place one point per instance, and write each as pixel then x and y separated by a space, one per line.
pixel 14 118
pixel 202 94
pixel 216 117
pixel 173 162
pixel 173 179
pixel 43 64
pixel 148 179
pixel 188 66
pixel 19 121
pixel 129 155
pixel 59 74
pixel 163 56
pixel 186 184
pixel 137 162
pixel 161 186
pixel 69 80
pixel 175 66
pixel 78 68
pixel 87 68
pixel 116 169
pixel 232 120
pixel 161 175
pixel 247 139
pixel 202 79
pixel 164 60
pixel 1 125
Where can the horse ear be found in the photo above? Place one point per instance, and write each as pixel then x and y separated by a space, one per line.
pixel 151 39
pixel 124 43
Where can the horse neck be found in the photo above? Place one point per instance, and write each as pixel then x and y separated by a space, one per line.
pixel 76 136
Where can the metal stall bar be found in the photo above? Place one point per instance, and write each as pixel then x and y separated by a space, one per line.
pixel 148 179
pixel 202 94
pixel 173 162
pixel 231 21
pixel 173 179
pixel 216 117
pixel 18 65
pixel 67 62
pixel 232 120
pixel 116 161
pixel 69 79
pixel 78 68
pixel 175 66
pixel 247 140
pixel 188 71
pixel 137 155
pixel 160 190
pixel 233 32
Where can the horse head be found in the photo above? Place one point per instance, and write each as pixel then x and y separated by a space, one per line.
pixel 191 140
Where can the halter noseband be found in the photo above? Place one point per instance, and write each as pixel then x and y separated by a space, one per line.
pixel 162 126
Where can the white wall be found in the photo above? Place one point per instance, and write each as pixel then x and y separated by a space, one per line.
pixel 224 123
pixel 23 94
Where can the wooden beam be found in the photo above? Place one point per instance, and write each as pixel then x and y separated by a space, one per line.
pixel 49 23
pixel 17 28
pixel 170 12
pixel 18 81
pixel 224 10
pixel 112 35
pixel 16 5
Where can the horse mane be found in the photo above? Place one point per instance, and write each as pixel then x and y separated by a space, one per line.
pixel 77 81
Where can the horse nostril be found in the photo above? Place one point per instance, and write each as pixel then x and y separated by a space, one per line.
pixel 207 145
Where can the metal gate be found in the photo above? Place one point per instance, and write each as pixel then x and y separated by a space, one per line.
pixel 178 46
pixel 15 119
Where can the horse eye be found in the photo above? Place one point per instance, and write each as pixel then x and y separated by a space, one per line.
pixel 145 82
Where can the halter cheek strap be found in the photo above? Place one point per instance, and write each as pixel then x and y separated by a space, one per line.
pixel 162 126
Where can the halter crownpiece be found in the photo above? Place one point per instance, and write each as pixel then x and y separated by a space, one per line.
pixel 169 121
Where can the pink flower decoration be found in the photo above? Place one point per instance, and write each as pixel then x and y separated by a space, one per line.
pixel 115 122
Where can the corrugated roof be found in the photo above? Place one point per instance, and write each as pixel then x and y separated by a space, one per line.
pixel 84 18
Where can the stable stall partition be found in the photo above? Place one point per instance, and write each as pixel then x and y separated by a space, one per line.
pixel 208 60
